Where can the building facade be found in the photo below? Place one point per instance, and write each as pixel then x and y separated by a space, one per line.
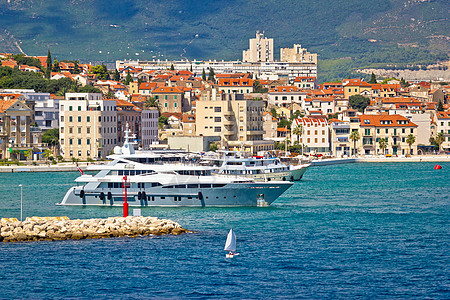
pixel 88 126
pixel 149 127
pixel 261 49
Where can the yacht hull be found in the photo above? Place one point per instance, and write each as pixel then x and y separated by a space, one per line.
pixel 290 175
pixel 236 194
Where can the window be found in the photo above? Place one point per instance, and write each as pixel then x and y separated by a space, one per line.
pixel 99 118
pixel 70 108
pixel 79 152
pixel 79 129
pixel 79 141
pixel 79 119
pixel 79 108
pixel 175 97
pixel 88 118
pixel 165 104
pixel 70 119
pixel 88 141
pixel 217 129
pixel 165 97
pixel 70 129
pixel 217 119
pixel 175 104
pixel 70 141
pixel 386 130
pixel 62 118
pixel 217 109
pixel 88 130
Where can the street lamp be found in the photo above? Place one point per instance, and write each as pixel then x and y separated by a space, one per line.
pixel 21 203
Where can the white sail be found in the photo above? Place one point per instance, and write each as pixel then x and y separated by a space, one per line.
pixel 230 244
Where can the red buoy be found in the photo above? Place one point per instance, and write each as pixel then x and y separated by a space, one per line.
pixel 437 167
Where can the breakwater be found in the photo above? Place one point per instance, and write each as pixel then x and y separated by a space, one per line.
pixel 62 228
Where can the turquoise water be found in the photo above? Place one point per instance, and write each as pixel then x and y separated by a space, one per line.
pixel 348 231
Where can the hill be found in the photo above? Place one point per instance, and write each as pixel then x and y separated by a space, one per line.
pixel 341 31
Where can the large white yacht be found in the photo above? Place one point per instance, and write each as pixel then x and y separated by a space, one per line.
pixel 260 168
pixel 162 180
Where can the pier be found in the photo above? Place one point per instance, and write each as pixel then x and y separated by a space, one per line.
pixel 62 228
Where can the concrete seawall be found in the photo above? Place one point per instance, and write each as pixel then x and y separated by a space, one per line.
pixel 62 228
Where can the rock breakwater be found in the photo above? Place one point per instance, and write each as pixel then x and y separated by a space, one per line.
pixel 62 228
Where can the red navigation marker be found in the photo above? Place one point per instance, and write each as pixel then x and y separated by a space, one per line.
pixel 437 167
pixel 125 186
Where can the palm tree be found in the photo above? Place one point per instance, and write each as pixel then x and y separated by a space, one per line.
pixel 298 131
pixel 28 153
pixel 410 139
pixel 383 144
pixel 439 139
pixel 354 136
pixel 152 102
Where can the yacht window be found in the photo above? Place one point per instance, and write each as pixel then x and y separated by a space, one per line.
pixel 120 172
pixel 132 172
pixel 192 186
pixel 110 185
pixel 205 186
pixel 117 185
pixel 126 172
pixel 180 186
pixel 218 185
pixel 156 184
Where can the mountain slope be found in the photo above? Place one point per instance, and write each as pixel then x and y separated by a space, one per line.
pixel 105 30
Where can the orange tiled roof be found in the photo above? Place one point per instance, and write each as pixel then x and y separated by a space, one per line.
pixel 235 82
pixel 385 121
pixel 284 89
pixel 167 89
pixel 5 104
pixel 443 115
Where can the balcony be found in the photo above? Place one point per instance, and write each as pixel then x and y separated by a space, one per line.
pixel 228 122
pixel 254 132
pixel 228 113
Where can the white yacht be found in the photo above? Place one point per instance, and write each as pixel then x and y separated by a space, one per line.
pixel 259 168
pixel 162 180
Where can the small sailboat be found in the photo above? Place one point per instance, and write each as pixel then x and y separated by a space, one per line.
pixel 230 245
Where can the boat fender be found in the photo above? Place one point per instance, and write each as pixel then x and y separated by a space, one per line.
pixel 144 196
pixel 284 178
pixel 109 196
pixel 139 195
pixel 102 196
pixel 292 178
pixel 200 195
pixel 81 193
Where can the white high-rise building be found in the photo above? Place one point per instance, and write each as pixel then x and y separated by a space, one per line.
pixel 261 49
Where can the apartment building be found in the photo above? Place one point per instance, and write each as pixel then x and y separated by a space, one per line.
pixel 128 113
pixel 286 96
pixel 394 128
pixel 305 82
pixel 315 135
pixel 325 105
pixel 297 54
pixel 149 127
pixel 46 108
pixel 443 126
pixel 15 132
pixel 356 87
pixel 235 85
pixel 261 49
pixel 88 126
pixel 238 121
pixel 171 99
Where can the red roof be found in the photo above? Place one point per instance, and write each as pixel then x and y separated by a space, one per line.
pixel 385 121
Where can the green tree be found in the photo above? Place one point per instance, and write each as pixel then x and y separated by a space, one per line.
pixel 191 68
pixel 258 87
pixel 101 71
pixel 283 123
pixel 47 154
pixel 76 67
pixel 211 75
pixel 354 136
pixel 48 70
pixel 440 106
pixel 172 67
pixel 162 120
pixel 439 139
pixel 373 78
pixel 56 67
pixel 21 59
pixel 152 102
pixel 204 75
pixel 358 102
pixel 383 144
pixel 298 131
pixel 28 153
pixel 128 79
pixel 213 147
pixel 116 75
pixel 51 137
pixel 410 139
pixel 273 111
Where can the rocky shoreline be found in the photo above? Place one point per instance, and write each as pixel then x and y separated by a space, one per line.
pixel 62 228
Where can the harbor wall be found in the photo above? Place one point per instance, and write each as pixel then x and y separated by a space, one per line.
pixel 62 228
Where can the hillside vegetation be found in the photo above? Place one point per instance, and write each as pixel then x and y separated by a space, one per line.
pixel 105 30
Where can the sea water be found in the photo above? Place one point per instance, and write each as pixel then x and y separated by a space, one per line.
pixel 362 230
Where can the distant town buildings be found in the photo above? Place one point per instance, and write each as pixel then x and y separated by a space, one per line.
pixel 261 49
